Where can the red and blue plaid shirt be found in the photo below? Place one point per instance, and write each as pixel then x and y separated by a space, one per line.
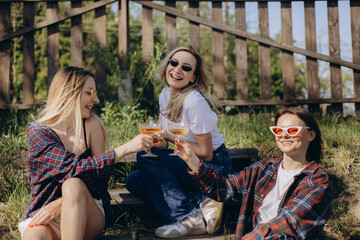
pixel 49 164
pixel 302 212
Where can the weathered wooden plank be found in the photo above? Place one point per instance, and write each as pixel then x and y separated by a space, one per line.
pixel 147 46
pixel 123 31
pixel 334 51
pixel 311 63
pixel 264 53
pixel 254 37
pixel 355 35
pixel 218 52
pixel 5 27
pixel 29 56
pixel 194 27
pixel 55 20
pixel 100 36
pixel 52 41
pixel 170 27
pixel 148 34
pixel 242 90
pixel 76 37
pixel 288 102
pixel 287 57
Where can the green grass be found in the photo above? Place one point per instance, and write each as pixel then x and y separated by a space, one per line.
pixel 341 161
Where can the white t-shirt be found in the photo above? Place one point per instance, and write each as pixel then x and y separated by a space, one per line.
pixel 197 113
pixel 269 207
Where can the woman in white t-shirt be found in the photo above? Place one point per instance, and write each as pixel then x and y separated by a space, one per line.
pixel 164 180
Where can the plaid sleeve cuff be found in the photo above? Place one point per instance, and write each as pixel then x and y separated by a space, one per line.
pixel 201 172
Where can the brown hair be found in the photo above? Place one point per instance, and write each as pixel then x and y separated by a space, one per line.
pixel 314 151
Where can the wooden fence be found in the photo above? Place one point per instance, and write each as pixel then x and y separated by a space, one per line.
pixel 218 30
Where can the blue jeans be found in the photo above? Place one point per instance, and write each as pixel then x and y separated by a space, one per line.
pixel 165 183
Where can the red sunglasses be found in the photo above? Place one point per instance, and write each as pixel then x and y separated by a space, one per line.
pixel 292 131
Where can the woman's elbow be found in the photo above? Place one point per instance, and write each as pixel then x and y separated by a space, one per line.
pixel 207 157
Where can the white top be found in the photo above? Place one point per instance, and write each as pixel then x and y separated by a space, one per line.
pixel 197 113
pixel 269 207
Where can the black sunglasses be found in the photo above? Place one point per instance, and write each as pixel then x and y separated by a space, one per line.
pixel 183 67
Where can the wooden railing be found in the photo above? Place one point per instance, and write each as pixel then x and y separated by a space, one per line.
pixel 218 30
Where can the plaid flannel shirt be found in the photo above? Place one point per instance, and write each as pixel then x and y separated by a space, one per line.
pixel 302 212
pixel 49 164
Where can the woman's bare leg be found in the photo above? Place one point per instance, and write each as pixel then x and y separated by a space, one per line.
pixel 80 216
pixel 40 233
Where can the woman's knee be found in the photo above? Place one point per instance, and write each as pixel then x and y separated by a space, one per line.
pixel 133 180
pixel 74 188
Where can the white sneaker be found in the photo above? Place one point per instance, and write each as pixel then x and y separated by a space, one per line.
pixel 212 212
pixel 191 225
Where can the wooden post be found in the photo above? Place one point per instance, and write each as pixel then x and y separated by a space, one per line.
pixel 52 41
pixel 311 63
pixel 5 25
pixel 264 54
pixel 76 37
pixel 194 28
pixel 170 27
pixel 334 51
pixel 29 57
pixel 123 31
pixel 100 36
pixel 241 53
pixel 218 52
pixel 147 46
pixel 355 35
pixel 287 57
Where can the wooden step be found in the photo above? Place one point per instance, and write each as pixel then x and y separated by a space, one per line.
pixel 123 196
pixel 148 236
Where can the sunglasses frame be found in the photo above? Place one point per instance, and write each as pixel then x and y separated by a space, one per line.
pixel 92 92
pixel 285 129
pixel 174 63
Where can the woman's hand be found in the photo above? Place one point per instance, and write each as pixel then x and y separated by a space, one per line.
pixel 163 144
pixel 47 213
pixel 187 154
pixel 139 143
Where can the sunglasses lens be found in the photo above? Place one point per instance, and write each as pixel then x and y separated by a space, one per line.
pixel 186 68
pixel 173 63
pixel 293 131
pixel 277 131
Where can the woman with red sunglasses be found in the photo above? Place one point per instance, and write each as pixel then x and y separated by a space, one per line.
pixel 164 180
pixel 282 198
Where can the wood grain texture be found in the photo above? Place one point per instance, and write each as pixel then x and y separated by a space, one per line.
pixel 334 51
pixel 52 41
pixel 29 56
pixel 264 53
pixel 76 37
pixel 194 27
pixel 123 31
pixel 170 27
pixel 100 36
pixel 218 52
pixel 5 28
pixel 287 57
pixel 242 89
pixel 355 34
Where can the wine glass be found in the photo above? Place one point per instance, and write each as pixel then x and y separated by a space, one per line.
pixel 177 129
pixel 152 128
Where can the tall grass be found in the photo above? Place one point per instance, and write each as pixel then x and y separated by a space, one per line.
pixel 341 161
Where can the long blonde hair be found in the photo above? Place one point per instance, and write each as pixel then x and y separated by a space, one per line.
pixel 201 84
pixel 63 102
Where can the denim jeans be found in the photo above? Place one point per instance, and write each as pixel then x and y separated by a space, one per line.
pixel 165 183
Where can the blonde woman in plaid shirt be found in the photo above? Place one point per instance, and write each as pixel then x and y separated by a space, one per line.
pixel 67 164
